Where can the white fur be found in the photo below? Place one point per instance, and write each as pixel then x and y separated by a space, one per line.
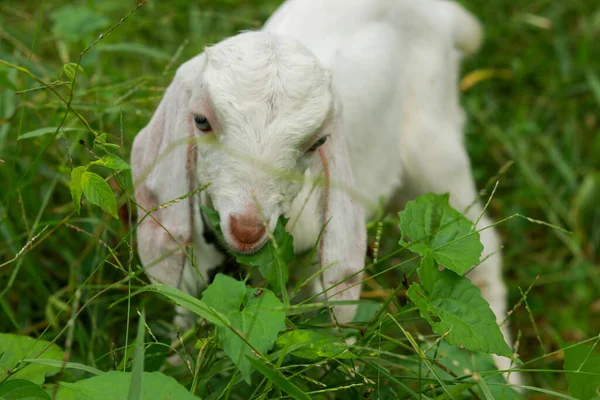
pixel 378 76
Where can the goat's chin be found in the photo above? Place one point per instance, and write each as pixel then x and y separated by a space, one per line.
pixel 245 248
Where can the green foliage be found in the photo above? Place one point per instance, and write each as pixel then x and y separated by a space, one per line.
pixel 313 345
pixel 271 260
pixel 113 386
pixel 531 103
pixel 98 192
pixel 456 310
pixel 278 379
pixel 15 348
pixel 451 304
pixel 433 226
pixel 16 389
pixel 583 365
pixel 255 320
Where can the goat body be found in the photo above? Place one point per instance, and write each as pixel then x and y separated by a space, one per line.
pixel 361 92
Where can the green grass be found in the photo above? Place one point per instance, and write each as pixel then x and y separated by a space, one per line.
pixel 543 117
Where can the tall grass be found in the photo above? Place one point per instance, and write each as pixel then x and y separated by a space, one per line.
pixel 532 96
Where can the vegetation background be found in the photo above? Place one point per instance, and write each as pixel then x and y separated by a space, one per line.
pixel 532 95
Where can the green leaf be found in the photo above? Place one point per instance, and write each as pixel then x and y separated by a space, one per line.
pixel 272 259
pixel 213 218
pixel 429 272
pixel 17 389
pixel 258 318
pixel 98 192
pixel 313 345
pixel 75 187
pixel 113 386
pixel 14 348
pixel 278 379
pixel 45 131
pixel 137 372
pixel 189 302
pixel 464 362
pixel 112 161
pixel 70 69
pixel 62 364
pixel 431 224
pixel 585 383
pixel 456 310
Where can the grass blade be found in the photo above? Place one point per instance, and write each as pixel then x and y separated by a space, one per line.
pixel 279 380
pixel 137 372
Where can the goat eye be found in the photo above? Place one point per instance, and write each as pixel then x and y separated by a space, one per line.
pixel 202 123
pixel 318 143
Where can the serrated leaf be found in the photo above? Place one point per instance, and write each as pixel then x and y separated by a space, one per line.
pixel 14 348
pixel 314 345
pixel 112 161
pixel 258 318
pixel 456 310
pixel 189 302
pixel 584 384
pixel 431 224
pixel 98 192
pixel 75 187
pixel 113 386
pixel 278 379
pixel 17 389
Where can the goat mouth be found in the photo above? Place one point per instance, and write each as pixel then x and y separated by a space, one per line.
pixel 247 248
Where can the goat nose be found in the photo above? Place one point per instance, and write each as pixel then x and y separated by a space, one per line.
pixel 247 229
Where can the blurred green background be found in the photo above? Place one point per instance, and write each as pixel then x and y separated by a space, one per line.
pixel 532 96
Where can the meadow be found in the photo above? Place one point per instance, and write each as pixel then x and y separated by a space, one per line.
pixel 81 78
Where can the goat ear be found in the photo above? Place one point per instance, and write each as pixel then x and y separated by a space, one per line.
pixel 163 163
pixel 343 244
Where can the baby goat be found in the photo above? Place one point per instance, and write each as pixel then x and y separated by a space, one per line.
pixel 362 92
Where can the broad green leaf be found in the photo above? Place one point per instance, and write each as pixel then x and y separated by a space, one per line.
pixel 258 318
pixel 45 131
pixel 18 389
pixel 112 161
pixel 14 348
pixel 429 272
pixel 314 345
pixel 278 379
pixel 456 309
pixel 98 192
pixel 115 384
pixel 585 383
pixel 75 187
pixel 431 224
pixel 189 302
pixel 137 373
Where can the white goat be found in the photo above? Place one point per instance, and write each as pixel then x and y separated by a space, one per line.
pixel 363 92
